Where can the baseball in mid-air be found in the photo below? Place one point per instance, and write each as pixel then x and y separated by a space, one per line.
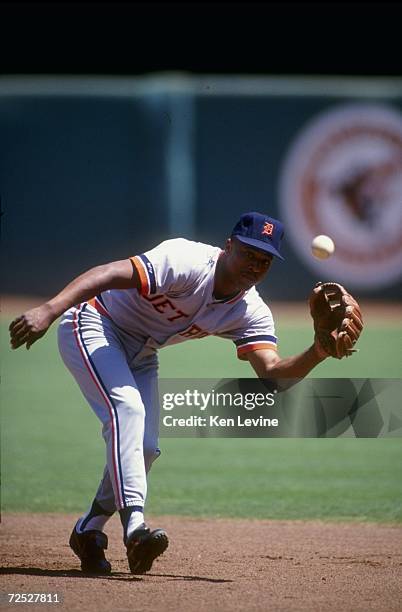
pixel 322 246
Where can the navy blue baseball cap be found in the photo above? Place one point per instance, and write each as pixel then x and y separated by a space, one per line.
pixel 260 231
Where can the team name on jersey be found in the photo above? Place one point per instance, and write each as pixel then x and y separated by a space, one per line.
pixel 165 306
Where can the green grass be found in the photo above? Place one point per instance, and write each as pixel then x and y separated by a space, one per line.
pixel 53 452
pixel 380 356
pixel 341 479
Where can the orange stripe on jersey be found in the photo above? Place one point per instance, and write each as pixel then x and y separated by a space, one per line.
pixel 241 351
pixel 98 306
pixel 142 274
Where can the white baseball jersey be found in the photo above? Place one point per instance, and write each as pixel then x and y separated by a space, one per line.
pixel 176 301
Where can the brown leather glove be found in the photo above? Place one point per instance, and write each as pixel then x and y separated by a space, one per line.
pixel 337 319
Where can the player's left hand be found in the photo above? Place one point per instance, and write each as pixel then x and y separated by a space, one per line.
pixel 337 318
pixel 30 326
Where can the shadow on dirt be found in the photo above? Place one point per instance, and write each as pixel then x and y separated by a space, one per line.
pixel 199 578
pixel 36 571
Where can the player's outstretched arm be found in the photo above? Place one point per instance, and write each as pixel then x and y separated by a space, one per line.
pixel 338 324
pixel 33 324
pixel 268 364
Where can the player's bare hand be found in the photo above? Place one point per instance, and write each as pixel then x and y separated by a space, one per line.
pixel 29 327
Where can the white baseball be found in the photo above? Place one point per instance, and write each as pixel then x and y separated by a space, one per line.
pixel 322 246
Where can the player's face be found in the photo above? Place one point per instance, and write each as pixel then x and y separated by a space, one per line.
pixel 246 264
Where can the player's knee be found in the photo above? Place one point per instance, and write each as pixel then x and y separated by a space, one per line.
pixel 130 405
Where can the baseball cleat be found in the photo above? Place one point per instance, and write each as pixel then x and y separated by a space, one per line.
pixel 89 547
pixel 143 546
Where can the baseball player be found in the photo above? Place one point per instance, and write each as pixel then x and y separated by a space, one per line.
pixel 116 317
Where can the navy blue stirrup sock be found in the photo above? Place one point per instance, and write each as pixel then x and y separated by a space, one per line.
pixel 96 510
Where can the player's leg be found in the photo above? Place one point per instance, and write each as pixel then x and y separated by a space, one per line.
pixel 102 508
pixel 144 545
pixel 103 505
pixel 96 358
pixel 94 355
pixel 146 376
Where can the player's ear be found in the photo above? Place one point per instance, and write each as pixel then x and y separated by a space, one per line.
pixel 228 246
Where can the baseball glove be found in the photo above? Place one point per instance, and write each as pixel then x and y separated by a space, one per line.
pixel 337 319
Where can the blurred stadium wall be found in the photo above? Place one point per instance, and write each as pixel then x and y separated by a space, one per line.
pixel 95 169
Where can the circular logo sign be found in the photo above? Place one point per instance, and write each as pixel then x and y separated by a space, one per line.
pixel 343 178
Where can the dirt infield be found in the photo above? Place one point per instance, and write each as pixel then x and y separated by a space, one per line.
pixel 212 565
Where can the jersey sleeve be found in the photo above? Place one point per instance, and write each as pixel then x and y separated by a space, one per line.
pixel 256 330
pixel 167 267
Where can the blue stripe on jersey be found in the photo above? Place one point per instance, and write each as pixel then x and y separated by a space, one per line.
pixel 116 414
pixel 100 298
pixel 251 339
pixel 151 273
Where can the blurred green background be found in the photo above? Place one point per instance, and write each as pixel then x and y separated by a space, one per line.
pixel 53 451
